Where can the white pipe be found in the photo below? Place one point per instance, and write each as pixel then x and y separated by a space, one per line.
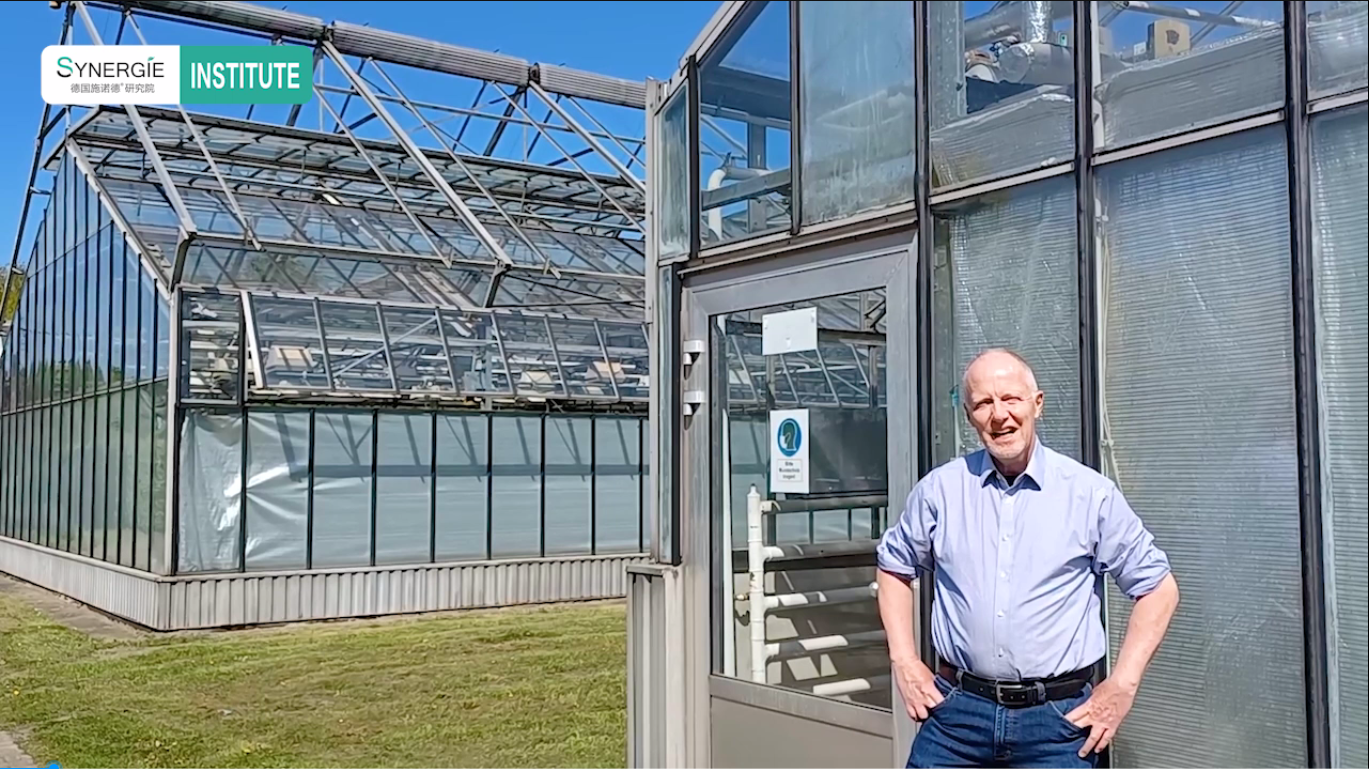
pixel 852 686
pixel 715 214
pixel 822 597
pixel 802 647
pixel 755 546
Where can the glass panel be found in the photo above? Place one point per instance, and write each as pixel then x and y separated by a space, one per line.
pixel 84 496
pixel 856 84
pixel 462 486
pixel 516 486
pixel 288 342
pixel 60 503
pixel 1337 47
pixel 822 633
pixel 100 271
pixel 744 114
pixel 588 372
pixel 416 347
pixel 210 344
pixel 1340 236
pixel 567 478
pixel 404 489
pixel 617 485
pixel 356 349
pixel 147 335
pixel 673 213
pixel 1165 70
pixel 1006 275
pixel 1001 90
pixel 159 475
pixel 146 504
pixel 1197 316
pixel 130 514
pixel 277 490
pixel 342 489
pixel 629 359
pixel 120 351
pixel 476 359
pixel 210 492
pixel 531 361
pixel 99 473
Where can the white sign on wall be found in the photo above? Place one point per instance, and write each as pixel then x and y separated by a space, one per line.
pixel 792 331
pixel 789 451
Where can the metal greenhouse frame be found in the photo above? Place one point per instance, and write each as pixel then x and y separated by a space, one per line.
pixel 371 306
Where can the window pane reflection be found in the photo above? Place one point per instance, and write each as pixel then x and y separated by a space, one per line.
pixel 857 106
pixel 1337 46
pixel 1165 70
pixel 744 128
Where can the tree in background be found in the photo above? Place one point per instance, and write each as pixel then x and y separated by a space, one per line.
pixel 12 296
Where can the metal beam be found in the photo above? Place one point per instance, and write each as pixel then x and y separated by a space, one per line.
pixel 638 224
pixel 204 149
pixel 394 193
pixel 546 261
pixel 417 155
pixel 188 229
pixel 583 134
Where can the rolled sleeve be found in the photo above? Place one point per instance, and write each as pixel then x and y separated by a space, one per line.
pixel 1126 549
pixel 905 549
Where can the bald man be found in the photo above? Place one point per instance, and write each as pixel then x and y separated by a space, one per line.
pixel 1017 538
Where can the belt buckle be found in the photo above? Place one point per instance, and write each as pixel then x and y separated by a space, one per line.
pixel 1033 695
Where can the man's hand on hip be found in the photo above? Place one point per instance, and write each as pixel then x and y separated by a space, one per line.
pixel 918 686
pixel 1102 714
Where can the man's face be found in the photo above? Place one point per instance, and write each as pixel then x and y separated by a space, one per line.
pixel 1002 406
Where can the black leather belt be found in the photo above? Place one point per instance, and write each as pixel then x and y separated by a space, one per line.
pixel 1019 694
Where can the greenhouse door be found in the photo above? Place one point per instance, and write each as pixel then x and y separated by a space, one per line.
pixel 800 401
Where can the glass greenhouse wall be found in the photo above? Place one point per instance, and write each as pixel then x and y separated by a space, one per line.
pixel 85 402
pixel 1160 206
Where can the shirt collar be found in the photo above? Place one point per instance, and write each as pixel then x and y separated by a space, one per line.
pixel 1037 466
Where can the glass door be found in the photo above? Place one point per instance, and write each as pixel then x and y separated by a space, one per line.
pixel 808 436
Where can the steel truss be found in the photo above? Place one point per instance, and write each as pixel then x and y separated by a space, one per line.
pixel 389 247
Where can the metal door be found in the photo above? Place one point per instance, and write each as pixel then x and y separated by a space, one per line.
pixel 813 352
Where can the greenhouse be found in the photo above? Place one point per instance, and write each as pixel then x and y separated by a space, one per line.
pixel 381 352
pixel 1159 204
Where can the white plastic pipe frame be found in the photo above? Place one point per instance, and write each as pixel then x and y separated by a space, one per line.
pixel 759 603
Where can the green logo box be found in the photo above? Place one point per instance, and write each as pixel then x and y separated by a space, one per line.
pixel 246 74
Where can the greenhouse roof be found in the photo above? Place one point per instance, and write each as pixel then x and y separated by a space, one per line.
pixel 436 221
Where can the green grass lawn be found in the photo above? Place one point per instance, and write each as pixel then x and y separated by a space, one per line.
pixel 518 687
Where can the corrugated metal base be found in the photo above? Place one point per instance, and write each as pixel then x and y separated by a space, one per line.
pixel 226 600
pixel 115 590
pixel 244 599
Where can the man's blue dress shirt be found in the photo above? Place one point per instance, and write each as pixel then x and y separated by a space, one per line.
pixel 1017 591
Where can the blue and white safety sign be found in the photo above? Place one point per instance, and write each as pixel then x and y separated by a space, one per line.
pixel 789 444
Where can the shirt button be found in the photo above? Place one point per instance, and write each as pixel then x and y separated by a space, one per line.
pixel 1000 652
pixel 1003 574
pixel 1000 612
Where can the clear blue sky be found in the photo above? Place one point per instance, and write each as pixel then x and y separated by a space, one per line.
pixel 632 40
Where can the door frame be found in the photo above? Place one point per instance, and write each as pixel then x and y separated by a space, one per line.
pixel 887 261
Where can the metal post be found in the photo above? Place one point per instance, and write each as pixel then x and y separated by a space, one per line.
pixel 1317 666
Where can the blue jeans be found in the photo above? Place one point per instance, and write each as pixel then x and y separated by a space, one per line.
pixel 968 730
